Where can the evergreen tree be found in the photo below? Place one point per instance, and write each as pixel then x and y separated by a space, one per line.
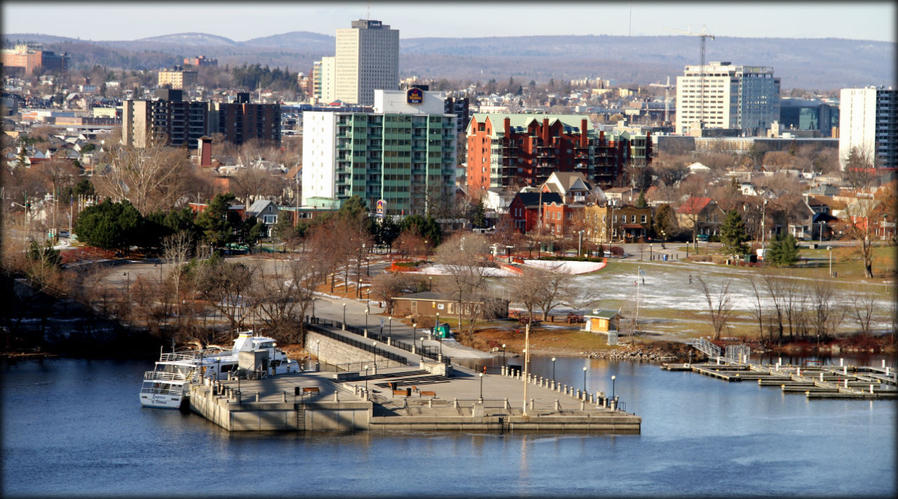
pixel 217 221
pixel 640 201
pixel 783 251
pixel 109 225
pixel 732 234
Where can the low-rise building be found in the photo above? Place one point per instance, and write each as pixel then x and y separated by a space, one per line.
pixel 609 223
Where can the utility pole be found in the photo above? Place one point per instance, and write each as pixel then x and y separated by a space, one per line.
pixel 526 362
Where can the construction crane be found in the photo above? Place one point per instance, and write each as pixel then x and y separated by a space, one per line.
pixel 704 35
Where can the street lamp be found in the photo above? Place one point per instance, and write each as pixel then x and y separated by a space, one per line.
pixel 553 368
pixel 317 355
pixel 584 379
pixel 366 381
pixel 481 387
pixel 503 354
pixel 390 330
pixel 830 250
pixel 344 317
pixel 374 351
pixel 612 387
pixel 430 281
pixel 367 309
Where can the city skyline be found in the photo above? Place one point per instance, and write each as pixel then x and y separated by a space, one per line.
pixel 860 21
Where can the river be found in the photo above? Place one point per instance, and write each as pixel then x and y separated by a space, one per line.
pixel 75 427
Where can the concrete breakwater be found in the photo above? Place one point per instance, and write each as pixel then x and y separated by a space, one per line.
pixel 417 395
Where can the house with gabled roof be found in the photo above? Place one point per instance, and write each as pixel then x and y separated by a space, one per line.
pixel 571 186
pixel 525 208
pixel 701 214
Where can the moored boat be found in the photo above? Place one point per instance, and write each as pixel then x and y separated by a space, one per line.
pixel 167 385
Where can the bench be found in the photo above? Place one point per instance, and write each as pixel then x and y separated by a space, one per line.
pixel 428 393
pixel 405 392
pixel 310 389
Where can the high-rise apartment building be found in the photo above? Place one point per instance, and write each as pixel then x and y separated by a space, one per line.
pixel 403 153
pixel 867 121
pixel 180 123
pixel 367 58
pixel 169 119
pixel 177 78
pixel 735 97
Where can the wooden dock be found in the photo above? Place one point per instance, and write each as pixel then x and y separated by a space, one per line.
pixel 815 382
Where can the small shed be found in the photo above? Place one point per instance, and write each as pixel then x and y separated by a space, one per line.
pixel 601 321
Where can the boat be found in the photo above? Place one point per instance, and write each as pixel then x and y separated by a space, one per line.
pixel 168 384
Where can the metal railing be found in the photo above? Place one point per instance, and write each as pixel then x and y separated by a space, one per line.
pixel 176 357
pixel 431 352
pixel 163 376
pixel 706 347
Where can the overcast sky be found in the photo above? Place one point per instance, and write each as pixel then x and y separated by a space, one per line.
pixel 241 21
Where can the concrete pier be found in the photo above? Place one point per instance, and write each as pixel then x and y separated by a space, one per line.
pixel 401 399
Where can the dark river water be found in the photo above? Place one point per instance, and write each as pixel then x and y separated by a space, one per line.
pixel 75 427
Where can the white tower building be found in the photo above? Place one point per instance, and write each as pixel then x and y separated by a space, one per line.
pixel 367 58
pixel 867 121
pixel 740 97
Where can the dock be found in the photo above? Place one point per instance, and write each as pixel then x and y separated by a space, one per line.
pixel 815 382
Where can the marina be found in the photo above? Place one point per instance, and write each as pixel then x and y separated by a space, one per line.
pixel 814 381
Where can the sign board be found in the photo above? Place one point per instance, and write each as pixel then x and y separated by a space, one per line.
pixel 380 208
pixel 414 96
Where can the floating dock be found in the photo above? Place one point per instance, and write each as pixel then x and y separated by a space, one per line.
pixel 815 382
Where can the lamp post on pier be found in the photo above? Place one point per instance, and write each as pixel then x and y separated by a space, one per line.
pixel 612 387
pixel 344 316
pixel 481 387
pixel 366 382
pixel 830 250
pixel 503 354
pixel 374 352
pixel 367 310
pixel 553 368
pixel 317 355
pixel 390 330
pixel 584 378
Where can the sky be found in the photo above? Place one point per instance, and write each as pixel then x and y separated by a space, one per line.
pixel 241 21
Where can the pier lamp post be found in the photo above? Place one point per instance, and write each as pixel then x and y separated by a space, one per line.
pixel 344 316
pixel 317 355
pixel 430 283
pixel 374 352
pixel 390 328
pixel 612 387
pixel 553 367
pixel 366 382
pixel 367 310
pixel 503 354
pixel 481 387
pixel 584 378
pixel 422 348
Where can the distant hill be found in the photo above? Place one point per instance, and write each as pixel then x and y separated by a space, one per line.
pixel 824 64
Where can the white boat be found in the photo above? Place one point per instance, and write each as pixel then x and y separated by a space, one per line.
pixel 167 385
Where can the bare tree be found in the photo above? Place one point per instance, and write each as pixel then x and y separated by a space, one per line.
pixel 759 309
pixel 154 178
pixel 774 287
pixel 281 298
pixel 719 307
pixel 863 309
pixel 464 256
pixel 825 314
pixel 225 285
pixel 176 249
pixel 857 227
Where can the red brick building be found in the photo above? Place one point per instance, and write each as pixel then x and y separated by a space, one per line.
pixel 524 209
pixel 524 149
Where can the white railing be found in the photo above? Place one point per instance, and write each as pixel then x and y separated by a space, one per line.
pixel 163 376
pixel 175 357
pixel 706 347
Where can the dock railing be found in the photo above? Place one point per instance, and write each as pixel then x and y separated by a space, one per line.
pixel 706 347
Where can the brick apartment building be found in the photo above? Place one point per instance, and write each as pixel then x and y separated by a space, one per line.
pixel 523 149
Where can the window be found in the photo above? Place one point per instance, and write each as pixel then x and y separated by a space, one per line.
pixel 643 219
